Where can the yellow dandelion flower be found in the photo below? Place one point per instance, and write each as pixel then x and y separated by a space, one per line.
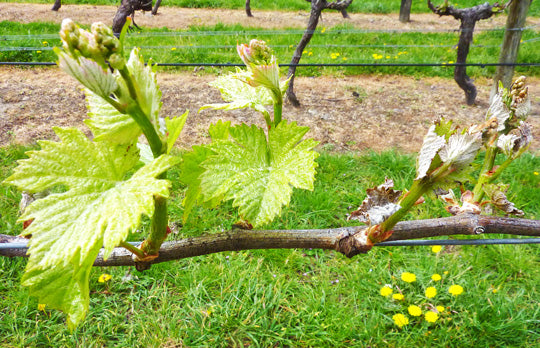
pixel 455 290
pixel 310 53
pixel 386 291
pixel 431 292
pixel 104 278
pixel 400 320
pixel 536 173
pixel 440 309
pixel 398 297
pixel 45 43
pixel 495 291
pixel 436 277
pixel 431 317
pixel 414 310
pixel 387 57
pixel 323 30
pixel 408 277
pixel 436 248
pixel 38 52
pixel 41 307
pixel 451 62
pixel 304 52
pixel 344 58
pixel 445 272
pixel 173 48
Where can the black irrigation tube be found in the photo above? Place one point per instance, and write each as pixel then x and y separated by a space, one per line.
pixel 419 242
pixel 482 65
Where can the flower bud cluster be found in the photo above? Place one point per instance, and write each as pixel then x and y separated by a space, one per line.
pixel 519 91
pixel 262 65
pixel 99 44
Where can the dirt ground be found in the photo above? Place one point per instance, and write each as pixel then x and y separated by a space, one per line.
pixel 344 113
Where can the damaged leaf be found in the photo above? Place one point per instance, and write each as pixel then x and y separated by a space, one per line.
pixel 380 203
pixel 497 196
pixel 454 207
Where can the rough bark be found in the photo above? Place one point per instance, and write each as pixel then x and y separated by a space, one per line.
pixel 57 5
pixel 317 6
pixel 128 8
pixel 349 241
pixel 517 14
pixel 248 9
pixel 405 11
pixel 468 18
pixel 156 6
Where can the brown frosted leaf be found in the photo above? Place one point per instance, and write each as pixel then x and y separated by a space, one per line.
pixel 454 207
pixel 379 204
pixel 497 195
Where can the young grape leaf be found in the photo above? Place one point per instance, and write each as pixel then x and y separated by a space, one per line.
pixel 239 94
pixel 98 207
pixel 432 144
pixel 461 149
pixel 499 110
pixel 145 78
pixel 258 174
pixel 174 128
pixel 88 72
pixel 107 123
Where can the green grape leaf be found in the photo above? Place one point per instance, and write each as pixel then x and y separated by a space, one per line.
pixel 239 94
pixel 174 128
pixel 190 170
pixel 88 72
pixel 219 130
pixel 107 123
pixel 98 207
pixel 258 175
pixel 145 78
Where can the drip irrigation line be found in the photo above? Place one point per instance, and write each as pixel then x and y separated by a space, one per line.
pixel 482 65
pixel 418 242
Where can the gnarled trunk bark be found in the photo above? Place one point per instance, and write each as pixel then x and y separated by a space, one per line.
pixel 57 5
pixel 128 8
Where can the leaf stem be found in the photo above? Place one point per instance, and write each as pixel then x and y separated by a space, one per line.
pixel 158 229
pixel 485 176
pixel 133 249
pixel 418 188
pixel 278 110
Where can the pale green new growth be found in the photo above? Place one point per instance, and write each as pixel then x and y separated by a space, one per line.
pixel 240 95
pixel 89 73
pixel 174 128
pixel 107 123
pixel 258 175
pixel 99 207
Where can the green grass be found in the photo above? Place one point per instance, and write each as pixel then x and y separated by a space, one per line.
pixel 291 297
pixel 342 44
pixel 370 6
